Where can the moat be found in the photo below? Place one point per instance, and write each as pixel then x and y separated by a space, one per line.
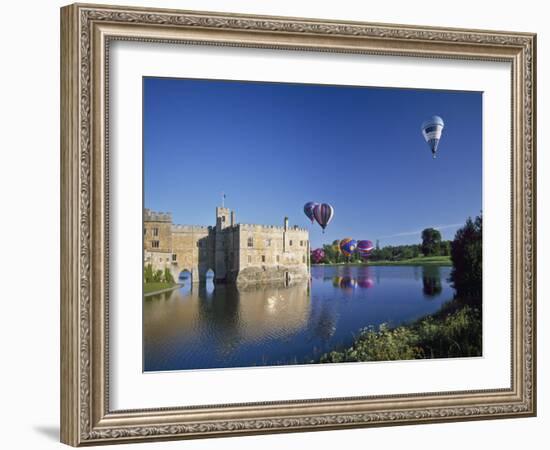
pixel 204 325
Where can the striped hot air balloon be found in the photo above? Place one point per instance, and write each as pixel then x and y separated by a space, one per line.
pixel 323 214
pixel 431 130
pixel 347 246
pixel 308 210
pixel 364 248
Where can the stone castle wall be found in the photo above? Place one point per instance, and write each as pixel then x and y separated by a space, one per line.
pixel 240 253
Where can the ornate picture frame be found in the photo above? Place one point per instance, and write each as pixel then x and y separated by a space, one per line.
pixel 86 34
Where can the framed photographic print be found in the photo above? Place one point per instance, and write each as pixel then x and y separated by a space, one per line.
pixel 275 224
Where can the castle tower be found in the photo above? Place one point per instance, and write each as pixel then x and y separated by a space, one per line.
pixel 223 246
pixel 224 218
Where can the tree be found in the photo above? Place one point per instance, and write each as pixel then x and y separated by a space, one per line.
pixel 445 248
pixel 332 252
pixel 148 273
pixel 157 276
pixel 431 242
pixel 466 255
pixel 168 277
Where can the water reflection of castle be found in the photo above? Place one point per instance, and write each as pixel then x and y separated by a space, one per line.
pixel 225 325
pixel 245 314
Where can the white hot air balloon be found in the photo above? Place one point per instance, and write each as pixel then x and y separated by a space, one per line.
pixel 431 129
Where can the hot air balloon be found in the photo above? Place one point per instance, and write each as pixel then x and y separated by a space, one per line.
pixel 347 246
pixel 323 214
pixel 364 248
pixel 431 129
pixel 317 255
pixel 308 210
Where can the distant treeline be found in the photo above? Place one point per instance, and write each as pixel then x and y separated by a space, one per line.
pixel 431 245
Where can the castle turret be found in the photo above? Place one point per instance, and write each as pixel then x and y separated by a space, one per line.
pixel 223 218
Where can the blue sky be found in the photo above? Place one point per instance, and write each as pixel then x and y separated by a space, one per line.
pixel 273 147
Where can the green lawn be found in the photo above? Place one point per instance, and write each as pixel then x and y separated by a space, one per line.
pixel 154 287
pixel 419 261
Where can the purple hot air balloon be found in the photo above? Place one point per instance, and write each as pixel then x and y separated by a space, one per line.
pixel 364 248
pixel 308 210
pixel 323 214
pixel 317 255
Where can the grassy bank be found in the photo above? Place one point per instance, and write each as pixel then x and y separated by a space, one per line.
pixel 454 331
pixel 419 261
pixel 154 287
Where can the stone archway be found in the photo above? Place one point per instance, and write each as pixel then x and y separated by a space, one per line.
pixel 183 275
pixel 207 273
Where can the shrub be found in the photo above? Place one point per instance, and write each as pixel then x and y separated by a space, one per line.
pixel 457 334
pixel 384 344
pixel 446 335
pixel 148 274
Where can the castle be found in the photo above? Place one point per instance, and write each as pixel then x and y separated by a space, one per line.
pixel 235 252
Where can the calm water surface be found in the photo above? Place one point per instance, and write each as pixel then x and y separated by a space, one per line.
pixel 202 326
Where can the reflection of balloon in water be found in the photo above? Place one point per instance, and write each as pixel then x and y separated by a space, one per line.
pixel 347 246
pixel 317 255
pixel 364 248
pixel 431 130
pixel 323 214
pixel 308 210
pixel 348 283
pixel 365 282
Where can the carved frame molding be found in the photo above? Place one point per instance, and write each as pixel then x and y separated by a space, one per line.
pixel 86 32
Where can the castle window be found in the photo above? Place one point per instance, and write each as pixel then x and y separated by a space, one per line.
pixel 250 242
pixel 249 259
pixel 174 257
pixel 155 244
pixel 263 258
pixel 155 232
pixel 268 242
pixel 301 243
pixel 290 242
pixel 223 218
